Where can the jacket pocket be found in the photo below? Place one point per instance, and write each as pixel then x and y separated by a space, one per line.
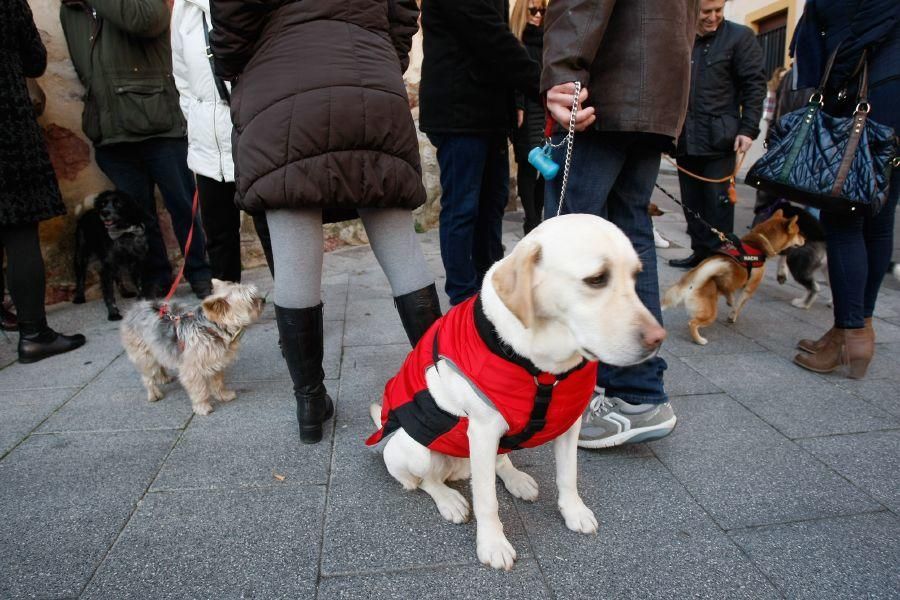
pixel 722 131
pixel 143 107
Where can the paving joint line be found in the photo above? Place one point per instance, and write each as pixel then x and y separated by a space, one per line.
pixel 748 528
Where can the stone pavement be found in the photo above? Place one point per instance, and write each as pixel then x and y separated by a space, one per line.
pixel 777 483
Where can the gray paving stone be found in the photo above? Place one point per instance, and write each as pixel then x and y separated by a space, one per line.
pixel 260 358
pixel 468 581
pixel 372 322
pixel 103 409
pixel 724 338
pixel 744 473
pixel 23 411
pixel 249 543
pixel 883 393
pixel 796 402
pixel 374 525
pixel 247 442
pixel 870 460
pixel 63 500
pixel 850 557
pixel 682 380
pixel 72 369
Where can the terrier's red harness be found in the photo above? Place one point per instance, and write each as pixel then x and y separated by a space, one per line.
pixel 538 406
pixel 744 254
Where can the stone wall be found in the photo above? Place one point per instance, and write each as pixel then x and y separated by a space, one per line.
pixel 80 178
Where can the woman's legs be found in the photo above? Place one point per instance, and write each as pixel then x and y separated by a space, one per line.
pixel 848 268
pixel 394 242
pixel 297 249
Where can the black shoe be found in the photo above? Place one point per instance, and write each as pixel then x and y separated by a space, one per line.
pixel 154 290
pixel 688 263
pixel 302 343
pixel 38 341
pixel 201 288
pixel 418 310
pixel 8 320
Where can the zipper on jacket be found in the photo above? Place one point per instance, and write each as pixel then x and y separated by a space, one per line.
pixel 216 135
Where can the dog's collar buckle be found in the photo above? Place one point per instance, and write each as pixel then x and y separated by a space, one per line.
pixel 548 379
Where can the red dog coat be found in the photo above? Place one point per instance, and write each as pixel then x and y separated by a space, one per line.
pixel 537 406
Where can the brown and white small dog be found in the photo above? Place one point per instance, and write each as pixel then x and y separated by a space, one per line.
pixel 699 289
pixel 197 342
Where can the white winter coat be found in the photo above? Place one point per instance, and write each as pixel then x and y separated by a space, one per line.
pixel 208 116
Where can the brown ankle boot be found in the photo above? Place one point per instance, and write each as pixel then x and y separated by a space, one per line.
pixel 860 348
pixel 828 357
pixel 813 346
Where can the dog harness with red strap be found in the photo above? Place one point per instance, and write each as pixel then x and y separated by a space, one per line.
pixel 744 254
pixel 537 406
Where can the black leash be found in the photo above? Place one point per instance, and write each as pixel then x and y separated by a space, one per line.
pixel 724 238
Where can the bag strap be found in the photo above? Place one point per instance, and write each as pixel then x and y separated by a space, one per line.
pixel 220 85
pixel 860 115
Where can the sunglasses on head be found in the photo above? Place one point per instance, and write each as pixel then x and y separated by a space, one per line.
pixel 534 10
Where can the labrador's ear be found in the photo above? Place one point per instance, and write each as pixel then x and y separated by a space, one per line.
pixel 513 281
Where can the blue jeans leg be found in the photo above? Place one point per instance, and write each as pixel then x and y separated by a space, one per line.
pixel 167 163
pixel 488 244
pixel 612 176
pixel 125 167
pixel 462 160
pixel 859 251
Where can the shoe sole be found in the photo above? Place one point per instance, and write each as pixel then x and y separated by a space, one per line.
pixel 632 436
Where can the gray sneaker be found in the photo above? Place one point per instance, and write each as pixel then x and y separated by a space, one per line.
pixel 609 422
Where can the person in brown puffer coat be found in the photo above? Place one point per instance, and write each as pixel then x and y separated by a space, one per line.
pixel 322 123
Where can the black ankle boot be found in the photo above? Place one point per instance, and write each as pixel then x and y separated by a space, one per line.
pixel 418 310
pixel 302 344
pixel 37 341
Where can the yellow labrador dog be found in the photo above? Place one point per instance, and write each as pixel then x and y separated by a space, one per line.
pixel 515 367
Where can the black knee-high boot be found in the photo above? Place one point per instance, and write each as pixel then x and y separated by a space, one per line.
pixel 418 310
pixel 302 343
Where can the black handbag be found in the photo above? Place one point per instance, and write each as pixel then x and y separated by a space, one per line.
pixel 837 164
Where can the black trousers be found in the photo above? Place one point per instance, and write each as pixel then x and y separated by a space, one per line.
pixel 221 220
pixel 710 200
pixel 25 271
pixel 531 192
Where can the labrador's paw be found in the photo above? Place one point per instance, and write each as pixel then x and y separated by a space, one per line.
pixel 521 485
pixel 453 506
pixel 578 517
pixel 496 551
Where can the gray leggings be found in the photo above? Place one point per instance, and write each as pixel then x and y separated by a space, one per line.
pixel 297 247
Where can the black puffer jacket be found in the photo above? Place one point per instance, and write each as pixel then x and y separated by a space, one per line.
pixel 471 66
pixel 320 111
pixel 728 87
pixel 28 189
pixel 531 133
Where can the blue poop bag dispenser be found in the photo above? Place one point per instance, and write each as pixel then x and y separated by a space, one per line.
pixel 540 160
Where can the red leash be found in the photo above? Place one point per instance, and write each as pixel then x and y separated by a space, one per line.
pixel 164 307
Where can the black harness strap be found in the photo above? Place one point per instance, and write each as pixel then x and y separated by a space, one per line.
pixel 220 85
pixel 536 421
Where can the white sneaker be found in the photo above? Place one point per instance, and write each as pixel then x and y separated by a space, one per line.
pixel 659 240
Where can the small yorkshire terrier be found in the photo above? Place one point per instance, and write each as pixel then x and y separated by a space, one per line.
pixel 198 342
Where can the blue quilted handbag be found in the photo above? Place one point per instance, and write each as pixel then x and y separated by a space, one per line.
pixel 837 164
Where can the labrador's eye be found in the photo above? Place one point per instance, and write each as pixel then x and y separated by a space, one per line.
pixel 597 281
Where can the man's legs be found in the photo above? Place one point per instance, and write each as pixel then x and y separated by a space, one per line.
pixel 123 164
pixel 222 225
pixel 462 160
pixel 166 160
pixel 487 244
pixel 710 200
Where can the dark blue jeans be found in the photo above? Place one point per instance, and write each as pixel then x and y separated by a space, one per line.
pixel 135 168
pixel 859 252
pixel 474 193
pixel 612 176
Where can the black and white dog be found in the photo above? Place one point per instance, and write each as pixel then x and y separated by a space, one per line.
pixel 805 261
pixel 113 232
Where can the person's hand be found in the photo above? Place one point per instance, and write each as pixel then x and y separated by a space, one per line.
pixel 559 103
pixel 742 143
pixel 520 117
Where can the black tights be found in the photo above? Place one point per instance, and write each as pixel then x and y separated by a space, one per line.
pixel 25 271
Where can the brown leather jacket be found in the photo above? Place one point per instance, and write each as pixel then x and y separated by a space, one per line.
pixel 634 56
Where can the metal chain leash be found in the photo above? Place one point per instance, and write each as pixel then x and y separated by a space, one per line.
pixel 570 139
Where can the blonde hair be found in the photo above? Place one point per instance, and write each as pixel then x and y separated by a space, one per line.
pixel 518 19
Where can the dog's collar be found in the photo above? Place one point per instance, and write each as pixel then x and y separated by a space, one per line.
pixel 488 334
pixel 767 246
pixel 115 233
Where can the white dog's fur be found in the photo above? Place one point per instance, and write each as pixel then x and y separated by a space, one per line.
pixel 549 302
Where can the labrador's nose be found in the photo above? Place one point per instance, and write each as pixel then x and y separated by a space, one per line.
pixel 652 336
